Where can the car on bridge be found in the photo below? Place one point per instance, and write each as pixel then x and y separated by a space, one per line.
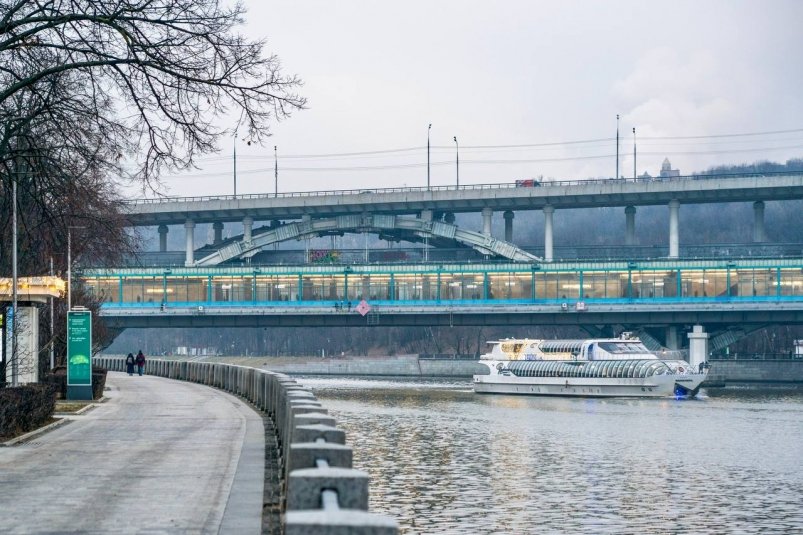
pixel 528 183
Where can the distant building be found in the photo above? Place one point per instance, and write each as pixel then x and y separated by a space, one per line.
pixel 667 171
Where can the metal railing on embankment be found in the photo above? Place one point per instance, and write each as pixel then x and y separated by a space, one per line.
pixel 322 493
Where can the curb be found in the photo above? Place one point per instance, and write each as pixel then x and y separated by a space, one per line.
pixel 35 433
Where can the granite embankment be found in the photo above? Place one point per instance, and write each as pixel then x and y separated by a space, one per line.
pixel 722 371
pixel 397 365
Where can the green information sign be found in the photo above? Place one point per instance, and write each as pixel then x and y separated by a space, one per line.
pixel 79 348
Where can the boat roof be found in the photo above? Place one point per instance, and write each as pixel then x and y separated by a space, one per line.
pixel 560 343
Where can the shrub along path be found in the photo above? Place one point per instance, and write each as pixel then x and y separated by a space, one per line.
pixel 159 456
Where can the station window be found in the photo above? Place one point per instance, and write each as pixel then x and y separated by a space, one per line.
pixel 276 287
pixel 186 289
pixel 792 281
pixel 104 290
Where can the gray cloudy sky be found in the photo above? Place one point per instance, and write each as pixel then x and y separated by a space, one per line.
pixel 511 73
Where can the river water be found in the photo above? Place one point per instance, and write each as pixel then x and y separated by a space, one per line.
pixel 445 460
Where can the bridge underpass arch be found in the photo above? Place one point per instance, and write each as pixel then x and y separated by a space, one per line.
pixel 381 224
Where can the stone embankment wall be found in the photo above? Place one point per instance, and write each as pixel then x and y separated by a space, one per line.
pixel 323 493
pixel 722 371
pixel 396 366
pixel 733 371
pixel 757 371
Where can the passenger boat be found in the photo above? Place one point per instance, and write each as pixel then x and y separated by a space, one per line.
pixel 606 367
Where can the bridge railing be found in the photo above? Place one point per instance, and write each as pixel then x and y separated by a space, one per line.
pixel 346 256
pixel 321 492
pixel 465 187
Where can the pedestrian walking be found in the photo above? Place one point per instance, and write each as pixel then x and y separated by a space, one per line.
pixel 140 363
pixel 129 364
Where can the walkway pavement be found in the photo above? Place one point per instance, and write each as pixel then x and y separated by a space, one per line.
pixel 160 456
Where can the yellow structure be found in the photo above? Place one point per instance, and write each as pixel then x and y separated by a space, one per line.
pixel 37 289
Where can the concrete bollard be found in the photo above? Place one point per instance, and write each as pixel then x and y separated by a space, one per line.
pixel 304 487
pixel 313 432
pixel 307 454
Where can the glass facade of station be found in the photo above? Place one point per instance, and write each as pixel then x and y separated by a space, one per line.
pixel 515 283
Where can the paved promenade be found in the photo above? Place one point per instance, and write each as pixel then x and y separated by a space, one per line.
pixel 160 456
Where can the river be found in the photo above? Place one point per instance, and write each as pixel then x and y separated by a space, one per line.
pixel 445 460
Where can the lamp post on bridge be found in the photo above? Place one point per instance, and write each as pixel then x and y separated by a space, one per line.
pixel 428 129
pixel 235 161
pixel 457 161
pixel 275 173
pixel 635 175
pixel 617 146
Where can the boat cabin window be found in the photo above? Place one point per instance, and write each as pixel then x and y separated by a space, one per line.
pixel 623 348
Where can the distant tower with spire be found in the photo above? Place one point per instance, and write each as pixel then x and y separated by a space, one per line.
pixel 667 171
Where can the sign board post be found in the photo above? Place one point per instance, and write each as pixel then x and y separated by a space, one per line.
pixel 79 354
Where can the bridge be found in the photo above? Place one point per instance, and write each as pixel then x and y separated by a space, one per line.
pixel 660 297
pixel 428 214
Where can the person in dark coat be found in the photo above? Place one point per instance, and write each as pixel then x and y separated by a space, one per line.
pixel 129 364
pixel 140 363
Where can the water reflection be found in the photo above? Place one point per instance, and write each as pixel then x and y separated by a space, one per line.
pixel 445 460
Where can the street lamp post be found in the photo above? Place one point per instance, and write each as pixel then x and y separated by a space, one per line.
pixel 634 154
pixel 457 161
pixel 275 172
pixel 428 129
pixel 52 357
pixel 14 281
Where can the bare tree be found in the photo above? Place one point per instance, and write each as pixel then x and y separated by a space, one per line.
pixel 93 92
pixel 159 73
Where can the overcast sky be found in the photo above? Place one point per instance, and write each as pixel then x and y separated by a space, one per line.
pixel 511 73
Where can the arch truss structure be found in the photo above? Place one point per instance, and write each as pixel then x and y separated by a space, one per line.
pixel 381 224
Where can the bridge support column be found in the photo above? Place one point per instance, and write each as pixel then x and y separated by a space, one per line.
pixel 425 215
pixel 698 346
pixel 674 243
pixel 759 233
pixel 218 226
pixel 548 211
pixel 248 224
pixel 487 214
pixel 508 215
pixel 162 238
pixel 189 228
pixel 630 225
pixel 672 341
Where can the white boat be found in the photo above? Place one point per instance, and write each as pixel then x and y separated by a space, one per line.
pixel 605 367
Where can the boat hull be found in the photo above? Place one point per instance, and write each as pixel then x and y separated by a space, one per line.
pixel 655 386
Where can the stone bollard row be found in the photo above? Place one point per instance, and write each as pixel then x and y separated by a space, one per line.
pixel 323 493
